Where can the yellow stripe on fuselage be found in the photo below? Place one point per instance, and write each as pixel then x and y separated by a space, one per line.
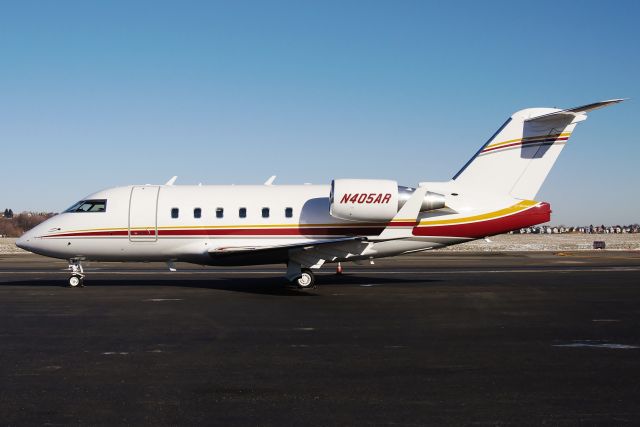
pixel 511 141
pixel 520 206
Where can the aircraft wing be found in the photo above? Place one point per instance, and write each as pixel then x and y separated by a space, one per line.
pixel 230 250
pixel 313 253
pixel 316 253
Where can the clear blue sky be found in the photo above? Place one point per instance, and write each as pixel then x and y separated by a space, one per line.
pixel 99 94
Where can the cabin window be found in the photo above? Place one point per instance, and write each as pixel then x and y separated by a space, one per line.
pixel 219 212
pixel 288 212
pixel 265 212
pixel 242 212
pixel 197 213
pixel 89 206
pixel 175 213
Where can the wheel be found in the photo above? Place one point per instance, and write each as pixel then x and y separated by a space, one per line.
pixel 306 279
pixel 75 280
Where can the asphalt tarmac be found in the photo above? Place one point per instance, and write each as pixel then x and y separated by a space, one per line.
pixel 431 339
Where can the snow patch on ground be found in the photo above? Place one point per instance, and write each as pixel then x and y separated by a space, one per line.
pixel 8 246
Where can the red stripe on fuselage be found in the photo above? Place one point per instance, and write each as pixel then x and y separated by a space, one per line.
pixel 310 231
pixel 535 215
pixel 515 144
pixel 92 234
pixel 298 231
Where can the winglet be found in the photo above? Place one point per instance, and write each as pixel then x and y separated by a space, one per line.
pixel 401 226
pixel 270 180
pixel 172 180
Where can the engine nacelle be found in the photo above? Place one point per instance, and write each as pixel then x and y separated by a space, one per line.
pixel 372 200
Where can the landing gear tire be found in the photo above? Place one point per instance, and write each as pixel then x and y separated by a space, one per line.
pixel 306 280
pixel 76 280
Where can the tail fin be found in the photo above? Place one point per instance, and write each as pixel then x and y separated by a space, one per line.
pixel 518 157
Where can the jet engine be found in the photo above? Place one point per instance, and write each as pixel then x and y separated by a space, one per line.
pixel 374 200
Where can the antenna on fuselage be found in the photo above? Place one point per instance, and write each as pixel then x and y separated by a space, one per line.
pixel 172 180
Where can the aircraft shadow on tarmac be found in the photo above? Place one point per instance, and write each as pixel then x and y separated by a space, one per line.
pixel 259 285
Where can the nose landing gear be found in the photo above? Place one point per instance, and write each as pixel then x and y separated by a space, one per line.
pixel 77 274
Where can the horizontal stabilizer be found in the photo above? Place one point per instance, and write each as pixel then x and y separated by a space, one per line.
pixel 575 112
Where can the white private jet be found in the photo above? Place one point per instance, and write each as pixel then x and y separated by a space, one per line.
pixel 306 226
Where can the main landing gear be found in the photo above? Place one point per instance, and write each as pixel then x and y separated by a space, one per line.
pixel 77 274
pixel 306 280
pixel 303 278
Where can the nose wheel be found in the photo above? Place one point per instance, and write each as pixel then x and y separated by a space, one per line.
pixel 76 280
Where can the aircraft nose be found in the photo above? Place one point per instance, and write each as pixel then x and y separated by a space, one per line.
pixel 33 241
pixel 25 241
pixel 20 242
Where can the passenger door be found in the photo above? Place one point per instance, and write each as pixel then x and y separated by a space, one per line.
pixel 143 210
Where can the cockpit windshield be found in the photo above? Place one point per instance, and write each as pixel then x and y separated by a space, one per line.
pixel 89 206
